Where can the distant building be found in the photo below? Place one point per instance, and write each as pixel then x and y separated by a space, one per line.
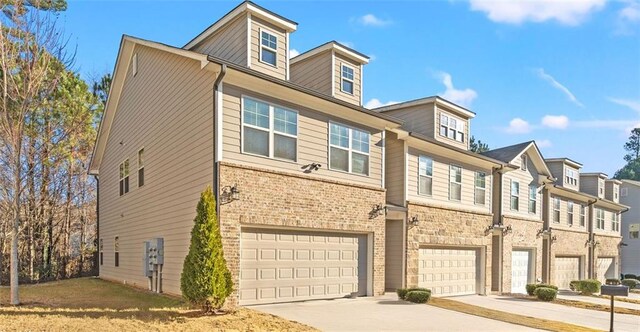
pixel 630 196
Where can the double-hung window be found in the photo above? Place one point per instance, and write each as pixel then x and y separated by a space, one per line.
pixel 533 198
pixel 268 47
pixel 583 215
pixel 348 149
pixel 347 79
pixel 269 130
pixel 116 251
pixel 451 127
pixel 570 213
pixel 425 175
pixel 455 183
pixel 615 222
pixel 480 188
pixel 599 218
pixel 515 195
pixel 571 177
pixel 124 177
pixel 556 210
pixel 141 167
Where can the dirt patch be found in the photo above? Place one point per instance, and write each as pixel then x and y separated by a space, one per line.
pixel 586 305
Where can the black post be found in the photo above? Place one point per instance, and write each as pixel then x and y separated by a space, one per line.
pixel 611 324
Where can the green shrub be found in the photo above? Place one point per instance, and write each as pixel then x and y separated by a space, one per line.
pixel 574 284
pixel 420 289
pixel 205 280
pixel 612 281
pixel 630 276
pixel 402 292
pixel 418 296
pixel 631 283
pixel 587 286
pixel 532 287
pixel 545 293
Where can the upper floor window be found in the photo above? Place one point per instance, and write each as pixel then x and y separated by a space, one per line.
pixel 634 231
pixel 599 218
pixel 624 192
pixel 425 175
pixel 451 127
pixel 600 187
pixel 583 214
pixel 571 177
pixel 615 222
pixel 134 64
pixel 116 248
pixel 515 195
pixel 124 177
pixel 348 149
pixel 533 198
pixel 523 162
pixel 268 47
pixel 615 193
pixel 455 183
pixel 269 130
pixel 570 212
pixel 347 79
pixel 480 188
pixel 141 167
pixel 556 209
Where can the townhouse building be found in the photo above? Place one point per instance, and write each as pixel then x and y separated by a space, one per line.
pixel 317 196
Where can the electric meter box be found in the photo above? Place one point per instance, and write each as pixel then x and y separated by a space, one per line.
pixel 146 259
pixel 157 251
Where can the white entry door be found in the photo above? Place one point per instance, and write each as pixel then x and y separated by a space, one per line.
pixel 520 260
pixel 448 271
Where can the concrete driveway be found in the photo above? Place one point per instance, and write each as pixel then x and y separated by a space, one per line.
pixel 382 313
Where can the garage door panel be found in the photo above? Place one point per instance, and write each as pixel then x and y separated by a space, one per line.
pixel 567 270
pixel 606 268
pixel 281 266
pixel 520 262
pixel 448 271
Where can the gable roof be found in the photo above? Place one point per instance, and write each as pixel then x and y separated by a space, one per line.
pixel 631 182
pixel 428 100
pixel 510 153
pixel 335 46
pixel 567 161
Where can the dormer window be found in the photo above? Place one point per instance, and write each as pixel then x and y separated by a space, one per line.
pixel 571 177
pixel 451 127
pixel 268 47
pixel 347 79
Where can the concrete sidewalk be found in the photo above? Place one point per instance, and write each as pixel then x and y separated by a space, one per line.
pixel 382 313
pixel 597 300
pixel 583 317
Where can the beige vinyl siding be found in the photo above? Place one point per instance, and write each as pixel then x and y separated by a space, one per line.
pixel 395 169
pixel 462 145
pixel 167 109
pixel 313 73
pixel 357 80
pixel 313 144
pixel 524 178
pixel 280 71
pixel 589 185
pixel 440 187
pixel 419 119
pixel 611 189
pixel 608 219
pixel 229 43
pixel 393 254
pixel 564 222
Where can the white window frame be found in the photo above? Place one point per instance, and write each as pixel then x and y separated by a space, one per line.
pixel 624 192
pixel 583 215
pixel 556 210
pixel 516 196
pixel 134 64
pixel 476 188
pixel 275 50
pixel 533 200
pixel 457 133
pixel 523 162
pixel 141 167
pixel 600 187
pixel 451 166
pixel 600 216
pixel 571 176
pixel 343 78
pixel 124 174
pixel 420 158
pixel 270 130
pixel 615 222
pixel 349 150
pixel 570 214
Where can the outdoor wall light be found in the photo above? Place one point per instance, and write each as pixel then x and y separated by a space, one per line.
pixel 507 230
pixel 414 221
pixel 377 211
pixel 230 194
pixel 554 239
pixel 540 232
pixel 311 167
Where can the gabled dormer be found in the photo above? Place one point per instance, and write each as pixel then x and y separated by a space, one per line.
pixel 566 172
pixel 332 69
pixel 612 190
pixel 593 184
pixel 251 36
pixel 436 118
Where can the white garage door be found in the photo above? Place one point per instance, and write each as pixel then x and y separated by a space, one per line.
pixel 606 269
pixel 448 271
pixel 520 270
pixel 283 266
pixel 567 269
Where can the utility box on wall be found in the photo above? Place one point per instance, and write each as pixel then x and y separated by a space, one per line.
pixel 153 255
pixel 147 267
pixel 157 247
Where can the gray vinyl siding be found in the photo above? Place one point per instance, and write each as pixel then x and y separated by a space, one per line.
pixel 589 185
pixel 630 263
pixel 419 119
pixel 564 222
pixel 167 109
pixel 440 183
pixel 612 191
pixel 357 80
pixel 524 178
pixel 280 70
pixel 393 254
pixel 313 141
pixel 229 43
pixel 557 171
pixel 313 73
pixel 462 145
pixel 395 169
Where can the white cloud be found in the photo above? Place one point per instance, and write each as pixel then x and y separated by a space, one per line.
pixel 631 12
pixel 375 103
pixel 632 104
pixel 373 21
pixel 461 97
pixel 541 73
pixel 555 121
pixel 293 53
pixel 518 126
pixel 543 143
pixel 566 12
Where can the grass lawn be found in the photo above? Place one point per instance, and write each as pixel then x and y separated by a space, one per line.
pixel 586 305
pixel 93 304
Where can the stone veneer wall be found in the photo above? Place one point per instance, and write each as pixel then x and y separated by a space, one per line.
pixel 523 236
pixel 292 201
pixel 609 246
pixel 447 227
pixel 569 243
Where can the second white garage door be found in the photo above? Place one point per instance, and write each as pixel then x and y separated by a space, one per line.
pixel 448 271
pixel 520 260
pixel 567 270
pixel 283 266
pixel 606 269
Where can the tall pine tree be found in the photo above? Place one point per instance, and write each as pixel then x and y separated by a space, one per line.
pixel 631 171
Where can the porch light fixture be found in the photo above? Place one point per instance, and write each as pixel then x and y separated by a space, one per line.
pixel 540 232
pixel 554 239
pixel 377 210
pixel 414 221
pixel 507 230
pixel 230 194
pixel 489 229
pixel 311 167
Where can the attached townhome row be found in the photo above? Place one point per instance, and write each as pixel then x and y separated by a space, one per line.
pixel 317 196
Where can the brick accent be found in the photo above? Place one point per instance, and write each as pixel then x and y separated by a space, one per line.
pixel 278 199
pixel 523 236
pixel 609 246
pixel 451 228
pixel 569 243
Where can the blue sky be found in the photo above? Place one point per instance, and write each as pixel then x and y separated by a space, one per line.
pixel 563 73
